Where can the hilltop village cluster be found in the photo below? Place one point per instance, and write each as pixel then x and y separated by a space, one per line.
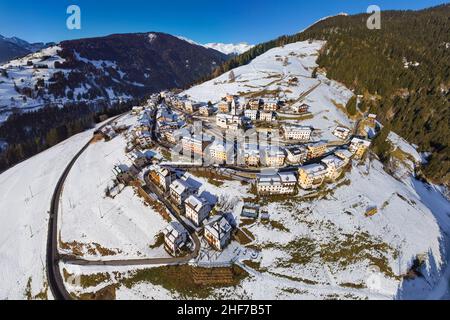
pixel 292 156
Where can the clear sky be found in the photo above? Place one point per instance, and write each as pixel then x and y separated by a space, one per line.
pixel 251 21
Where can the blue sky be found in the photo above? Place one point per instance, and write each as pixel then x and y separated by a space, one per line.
pixel 204 21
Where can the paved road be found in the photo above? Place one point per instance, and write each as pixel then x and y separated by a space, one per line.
pixel 55 279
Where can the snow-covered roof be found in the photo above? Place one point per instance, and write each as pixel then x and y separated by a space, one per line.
pixel 277 178
pixel 173 231
pixel 196 203
pixel 179 186
pixel 219 228
pixel 360 142
pixel 314 169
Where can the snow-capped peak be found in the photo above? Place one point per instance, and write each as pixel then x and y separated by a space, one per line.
pixel 226 48
pixel 230 48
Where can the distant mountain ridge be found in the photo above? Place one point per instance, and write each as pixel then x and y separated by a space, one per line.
pixel 114 67
pixel 14 47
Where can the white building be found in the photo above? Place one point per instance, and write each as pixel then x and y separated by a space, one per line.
pixel 296 155
pixel 292 132
pixel 341 132
pixel 267 116
pixel 358 147
pixel 228 121
pixel 180 190
pixel 218 233
pixel 144 139
pixel 271 104
pixel 278 183
pixel 197 209
pixel 251 114
pixel 335 166
pixel 175 237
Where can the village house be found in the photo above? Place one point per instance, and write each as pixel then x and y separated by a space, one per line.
pixel 274 157
pixel 271 105
pixel 335 166
pixel 122 173
pixel 218 233
pixel 144 139
pixel 371 119
pixel 108 133
pixel 206 110
pixel 302 108
pixel 251 114
pixel 180 190
pixel 296 155
pixel 228 121
pixel 316 150
pixel 191 106
pixel 175 237
pixel 219 152
pixel 293 132
pixel 162 176
pixel 223 107
pixel 230 98
pixel 312 176
pixel 137 110
pixel 266 116
pixel 195 144
pixel 344 154
pixel 358 147
pixel 341 132
pixel 252 157
pixel 173 136
pixel 277 183
pixel 196 209
pixel 254 104
pixel 139 159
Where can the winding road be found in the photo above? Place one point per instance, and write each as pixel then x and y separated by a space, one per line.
pixel 55 279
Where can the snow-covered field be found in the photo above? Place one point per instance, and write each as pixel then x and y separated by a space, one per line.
pixel 311 248
pixel 269 75
pixel 123 225
pixel 25 194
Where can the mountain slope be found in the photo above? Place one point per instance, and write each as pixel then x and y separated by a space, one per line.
pixel 115 67
pixel 403 70
pixel 14 47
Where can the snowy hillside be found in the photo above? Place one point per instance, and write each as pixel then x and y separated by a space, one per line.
pixel 318 244
pixel 285 73
pixel 74 72
pixel 25 194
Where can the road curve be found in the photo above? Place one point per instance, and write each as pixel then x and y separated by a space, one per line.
pixel 55 280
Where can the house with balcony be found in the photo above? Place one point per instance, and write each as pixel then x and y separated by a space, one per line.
pixel 218 232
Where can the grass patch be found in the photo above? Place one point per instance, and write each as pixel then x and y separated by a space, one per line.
pixel 89 280
pixel 184 279
pixel 355 248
